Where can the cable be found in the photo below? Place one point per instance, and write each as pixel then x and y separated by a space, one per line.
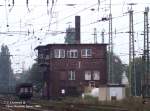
pixel 6 15
pixel 74 13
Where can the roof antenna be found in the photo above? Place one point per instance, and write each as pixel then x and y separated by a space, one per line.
pixel 47 3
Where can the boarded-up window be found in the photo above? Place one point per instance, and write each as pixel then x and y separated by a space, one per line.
pixel 63 75
pixel 96 75
pixel 87 75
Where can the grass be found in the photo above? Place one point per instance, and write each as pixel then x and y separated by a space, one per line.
pixel 92 104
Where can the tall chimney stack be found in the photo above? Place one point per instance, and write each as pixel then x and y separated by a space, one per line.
pixel 77 29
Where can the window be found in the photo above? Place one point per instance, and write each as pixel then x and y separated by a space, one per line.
pixel 86 53
pixel 96 75
pixel 71 75
pixel 26 90
pixel 41 56
pixel 73 53
pixel 47 57
pixel 31 90
pixel 59 53
pixel 87 75
pixel 21 90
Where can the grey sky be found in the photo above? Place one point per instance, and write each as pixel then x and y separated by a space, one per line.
pixel 44 29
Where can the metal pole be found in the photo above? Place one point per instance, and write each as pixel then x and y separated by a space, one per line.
pixel 95 36
pixel 146 53
pixel 110 73
pixel 102 34
pixel 132 75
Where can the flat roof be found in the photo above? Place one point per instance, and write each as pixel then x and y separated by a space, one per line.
pixel 113 85
pixel 40 46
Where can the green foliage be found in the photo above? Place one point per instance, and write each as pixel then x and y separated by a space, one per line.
pixel 90 98
pixel 118 68
pixel 36 76
pixel 139 72
pixel 78 104
pixel 70 36
pixel 23 77
pixel 6 72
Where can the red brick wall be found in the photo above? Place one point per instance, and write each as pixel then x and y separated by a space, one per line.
pixel 59 67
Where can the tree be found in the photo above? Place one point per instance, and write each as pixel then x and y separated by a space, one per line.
pixel 32 75
pixel 139 73
pixel 35 76
pixel 118 68
pixel 6 72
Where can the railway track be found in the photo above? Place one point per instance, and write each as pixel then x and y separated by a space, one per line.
pixel 83 107
pixel 12 104
pixel 4 102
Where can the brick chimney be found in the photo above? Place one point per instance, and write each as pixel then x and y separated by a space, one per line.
pixel 77 29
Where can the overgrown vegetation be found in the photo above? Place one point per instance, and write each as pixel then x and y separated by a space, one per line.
pixel 7 80
pixel 33 75
pixel 91 104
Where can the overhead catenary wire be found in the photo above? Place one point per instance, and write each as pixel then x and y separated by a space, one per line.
pixel 62 32
pixel 51 23
pixel 37 31
pixel 7 25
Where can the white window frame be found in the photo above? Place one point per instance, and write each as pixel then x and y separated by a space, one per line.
pixel 96 75
pixel 85 53
pixel 88 75
pixel 71 75
pixel 26 90
pixel 72 53
pixel 59 53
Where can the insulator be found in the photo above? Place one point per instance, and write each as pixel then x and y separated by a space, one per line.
pixel 33 31
pixel 28 32
pixel 52 2
pixel 13 2
pixel 47 2
pixel 27 2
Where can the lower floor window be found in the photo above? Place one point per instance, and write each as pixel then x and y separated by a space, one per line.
pixel 87 75
pixel 96 75
pixel 71 75
pixel 92 75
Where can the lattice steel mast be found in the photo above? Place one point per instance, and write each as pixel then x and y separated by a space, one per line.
pixel 146 54
pixel 110 73
pixel 132 75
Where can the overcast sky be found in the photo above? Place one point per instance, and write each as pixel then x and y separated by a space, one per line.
pixel 23 28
